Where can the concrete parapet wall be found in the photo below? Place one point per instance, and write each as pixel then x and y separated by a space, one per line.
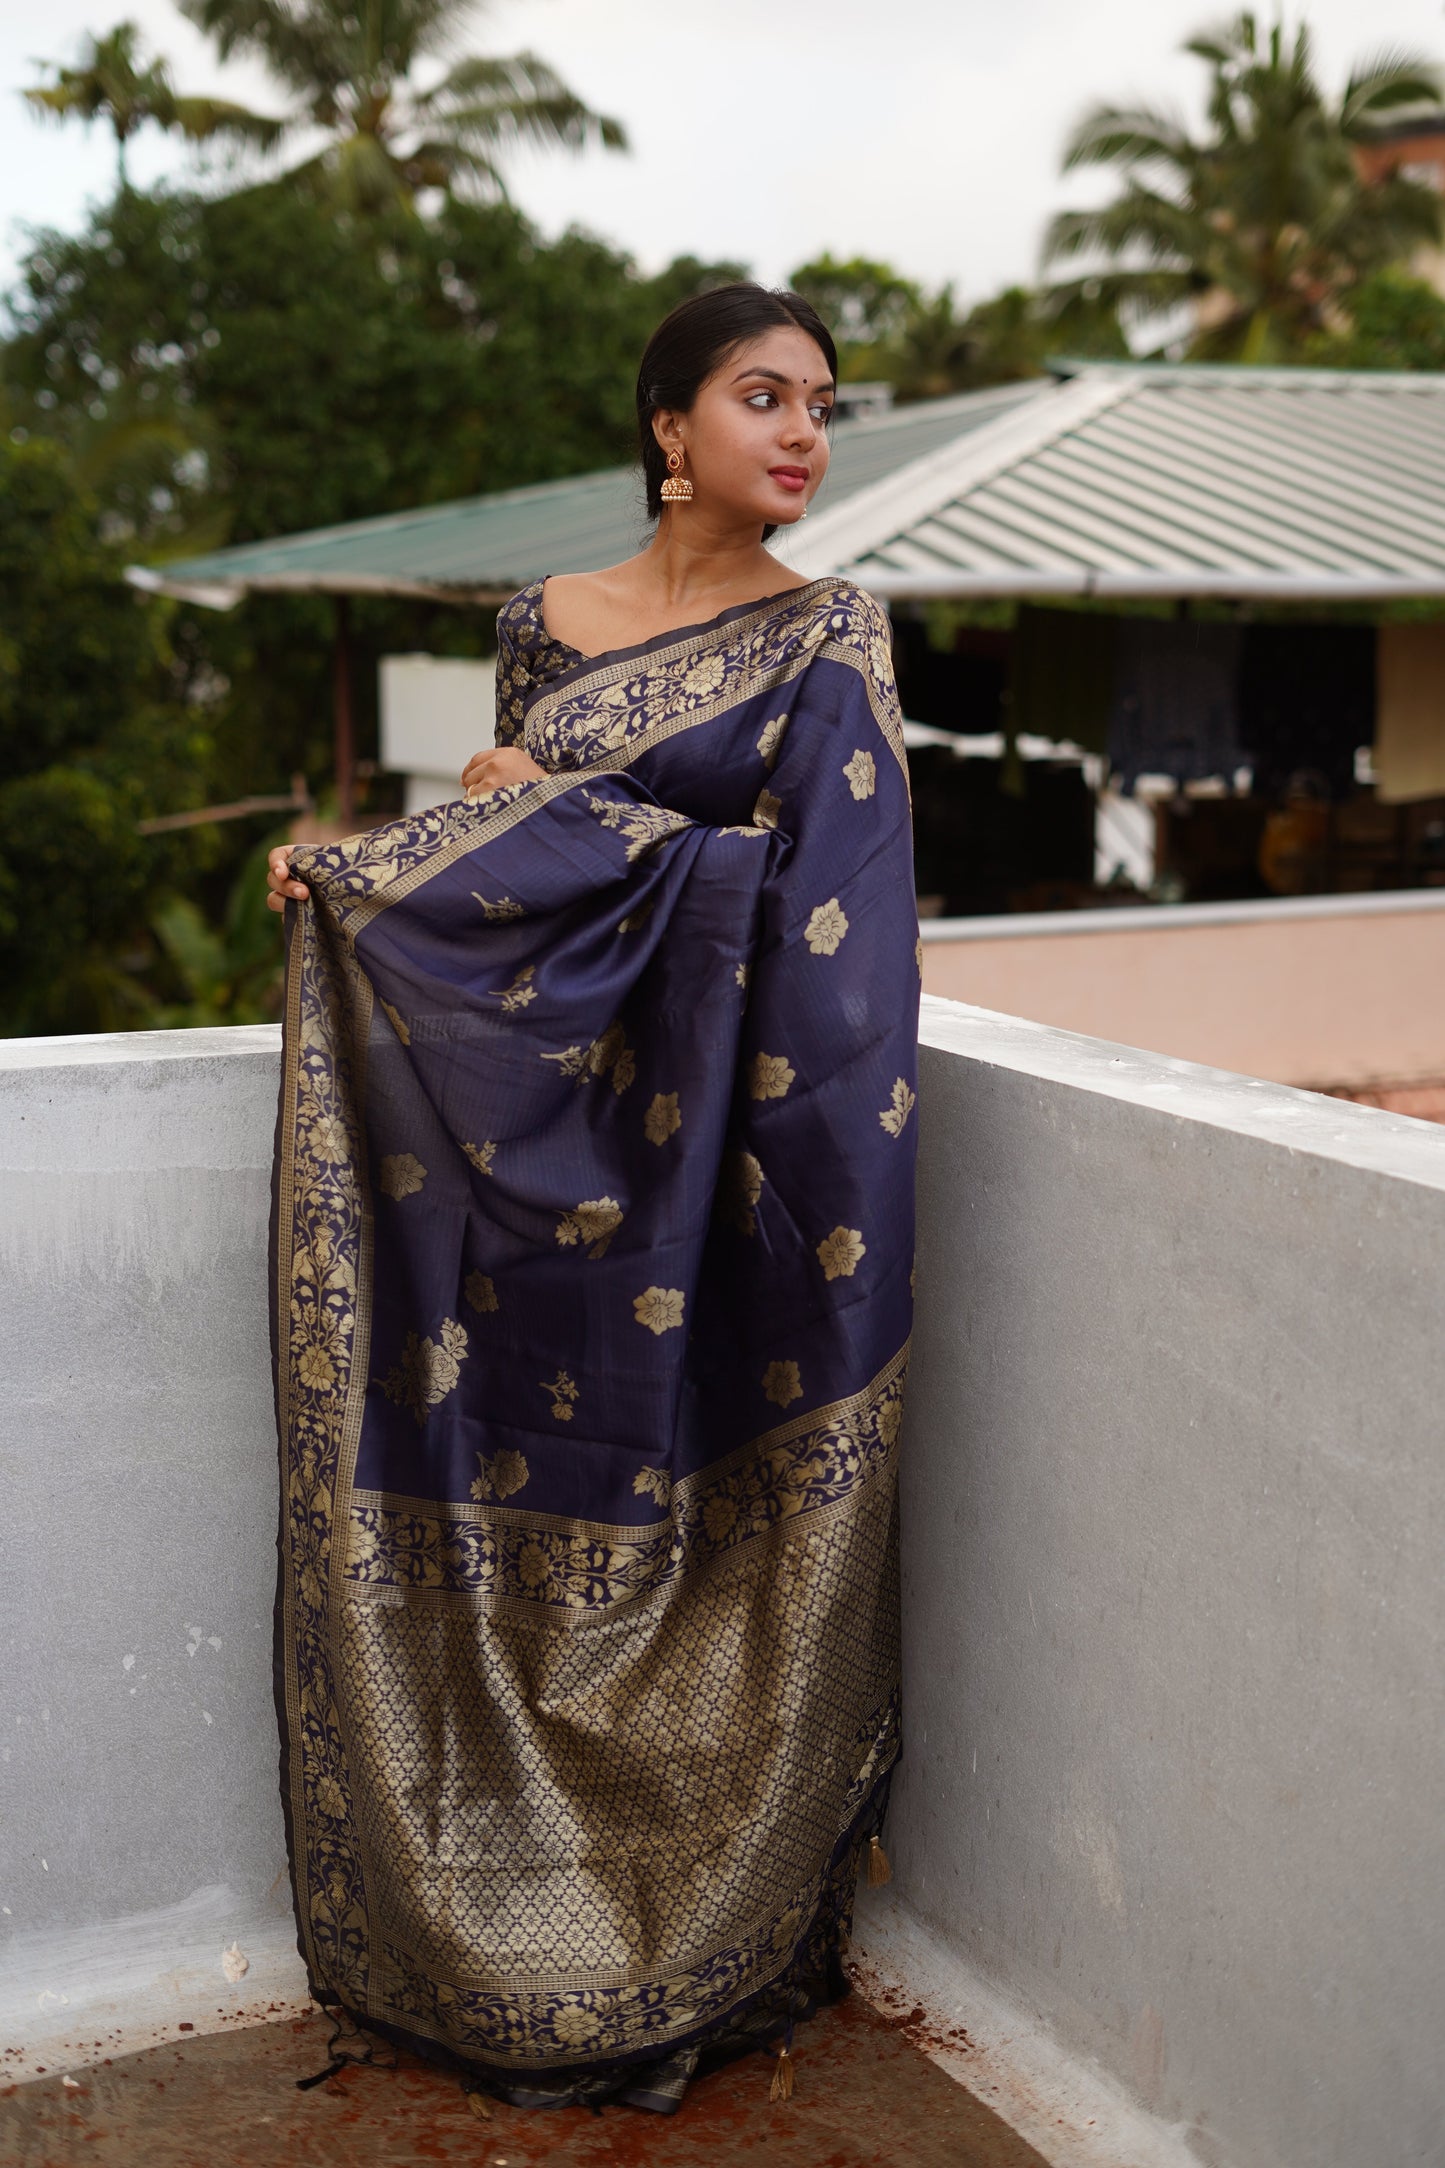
pixel 1173 1504
pixel 1174 1499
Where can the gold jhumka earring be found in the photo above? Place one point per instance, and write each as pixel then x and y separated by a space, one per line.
pixel 677 489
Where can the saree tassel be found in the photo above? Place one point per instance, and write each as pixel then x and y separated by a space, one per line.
pixel 879 1870
pixel 782 2085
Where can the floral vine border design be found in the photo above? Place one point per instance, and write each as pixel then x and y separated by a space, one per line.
pixel 652 697
pixel 412 1548
pixel 323 1325
pixel 551 2027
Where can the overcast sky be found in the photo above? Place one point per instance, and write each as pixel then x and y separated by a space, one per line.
pixel 923 131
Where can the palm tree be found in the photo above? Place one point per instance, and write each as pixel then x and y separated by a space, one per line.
pixel 1265 224
pixel 116 80
pixel 350 64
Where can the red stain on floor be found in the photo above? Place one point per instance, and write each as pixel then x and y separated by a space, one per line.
pixel 866 2097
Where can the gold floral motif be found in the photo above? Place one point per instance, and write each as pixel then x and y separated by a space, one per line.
pixel 840 1252
pixel 743 974
pixel 482 1155
pixel 609 1053
pixel 770 743
pixel 502 1475
pixel 315 1368
pixel 642 826
pixel 636 920
pixel 593 1223
pixel 428 1370
pixel 659 1308
pixel 481 1292
pixel 520 992
pixel 767 809
pixel 769 1076
pixel 862 774
pixel 894 1116
pixel 401 1175
pixel 565 1393
pixel 782 1384
pixel 825 929
pixel 662 1119
pixel 653 1483
pixel 397 1022
pixel 804 1465
pixel 740 1184
pixel 504 908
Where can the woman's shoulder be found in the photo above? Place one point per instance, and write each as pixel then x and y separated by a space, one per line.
pixel 848 608
pixel 520 617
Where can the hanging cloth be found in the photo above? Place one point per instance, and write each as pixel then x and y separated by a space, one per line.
pixel 1410 722
pixel 1175 706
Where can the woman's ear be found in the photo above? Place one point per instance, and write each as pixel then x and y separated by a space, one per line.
pixel 667 428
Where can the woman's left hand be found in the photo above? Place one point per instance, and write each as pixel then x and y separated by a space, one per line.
pixel 493 770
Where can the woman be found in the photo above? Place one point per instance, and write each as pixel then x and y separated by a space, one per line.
pixel 593 1256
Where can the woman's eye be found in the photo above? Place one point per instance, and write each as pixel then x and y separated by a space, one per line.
pixel 821 411
pixel 767 398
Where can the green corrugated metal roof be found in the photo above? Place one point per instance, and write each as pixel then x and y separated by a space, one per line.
pixel 484 548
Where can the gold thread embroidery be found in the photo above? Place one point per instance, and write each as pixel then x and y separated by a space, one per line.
pixel 501 1476
pixel 636 920
pixel 428 1370
pixel 593 1223
pixel 610 1052
pixel 401 1174
pixel 654 1483
pixel 481 1292
pixel 840 1253
pixel 894 1117
pixel 740 1185
pixel 769 1076
pixel 659 1308
pixel 482 1155
pixel 662 1119
pixel 862 774
pixel 770 743
pixel 504 908
pixel 767 809
pixel 397 1022
pixel 565 1393
pixel 642 827
pixel 782 1384
pixel 520 992
pixel 825 929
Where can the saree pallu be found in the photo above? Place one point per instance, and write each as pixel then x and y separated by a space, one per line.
pixel 593 1261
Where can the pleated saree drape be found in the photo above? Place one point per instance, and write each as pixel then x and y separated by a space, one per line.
pixel 593 1256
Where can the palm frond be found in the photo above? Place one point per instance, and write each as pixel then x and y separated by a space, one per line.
pixel 1386 81
pixel 1125 136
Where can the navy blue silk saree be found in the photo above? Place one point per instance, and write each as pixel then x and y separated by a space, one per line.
pixel 593 1260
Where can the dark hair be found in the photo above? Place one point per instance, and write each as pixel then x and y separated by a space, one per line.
pixel 694 340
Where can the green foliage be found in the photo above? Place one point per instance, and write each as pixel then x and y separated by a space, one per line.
pixel 256 365
pixel 890 329
pixel 90 733
pixel 1397 322
pixel 351 72
pixel 1265 224
pixel 865 305
pixel 116 80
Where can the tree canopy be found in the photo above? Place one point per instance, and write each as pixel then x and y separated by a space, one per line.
pixel 115 81
pixel 1264 224
pixel 352 68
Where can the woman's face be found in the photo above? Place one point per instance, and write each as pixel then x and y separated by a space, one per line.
pixel 755 443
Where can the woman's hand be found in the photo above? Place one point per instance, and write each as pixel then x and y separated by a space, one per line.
pixel 494 769
pixel 278 879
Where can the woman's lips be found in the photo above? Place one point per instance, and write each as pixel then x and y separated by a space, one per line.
pixel 794 478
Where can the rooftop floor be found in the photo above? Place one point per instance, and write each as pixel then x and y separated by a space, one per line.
pixel 866 2097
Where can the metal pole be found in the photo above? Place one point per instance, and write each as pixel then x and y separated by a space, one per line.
pixel 344 733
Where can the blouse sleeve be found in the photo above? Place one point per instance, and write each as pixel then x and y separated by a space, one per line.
pixel 511 674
